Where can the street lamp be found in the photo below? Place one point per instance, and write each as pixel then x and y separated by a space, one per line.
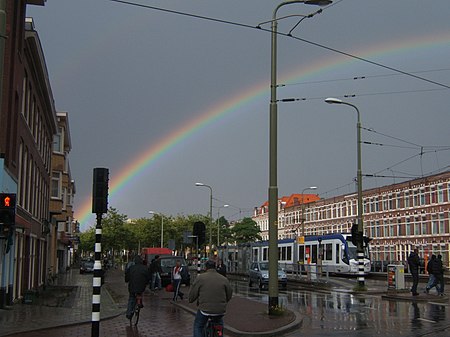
pixel 162 226
pixel 360 249
pixel 210 210
pixel 303 207
pixel 273 188
pixel 218 223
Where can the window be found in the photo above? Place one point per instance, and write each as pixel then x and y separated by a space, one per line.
pixel 407 199
pixel 408 226
pixel 434 224
pixel 441 193
pixel 441 223
pixel 329 252
pixel 56 185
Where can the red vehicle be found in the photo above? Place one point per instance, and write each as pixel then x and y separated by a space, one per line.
pixel 149 253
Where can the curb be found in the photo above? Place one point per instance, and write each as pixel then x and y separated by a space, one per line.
pixel 296 323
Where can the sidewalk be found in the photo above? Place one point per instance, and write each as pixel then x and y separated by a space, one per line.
pixel 73 316
pixel 160 316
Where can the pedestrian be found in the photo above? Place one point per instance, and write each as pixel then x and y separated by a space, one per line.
pixel 212 292
pixel 431 279
pixel 442 280
pixel 438 273
pixel 176 280
pixel 414 263
pixel 221 268
pixel 155 271
pixel 138 277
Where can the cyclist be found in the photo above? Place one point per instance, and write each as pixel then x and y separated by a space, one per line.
pixel 137 276
pixel 212 292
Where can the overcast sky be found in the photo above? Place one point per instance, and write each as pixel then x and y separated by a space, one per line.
pixel 133 77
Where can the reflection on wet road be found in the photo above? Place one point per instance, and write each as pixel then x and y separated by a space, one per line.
pixel 334 313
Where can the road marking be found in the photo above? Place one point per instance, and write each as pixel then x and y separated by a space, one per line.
pixel 426 320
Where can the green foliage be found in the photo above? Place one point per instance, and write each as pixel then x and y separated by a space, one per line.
pixel 119 233
pixel 246 231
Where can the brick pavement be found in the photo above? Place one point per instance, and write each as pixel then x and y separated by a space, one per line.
pixel 159 317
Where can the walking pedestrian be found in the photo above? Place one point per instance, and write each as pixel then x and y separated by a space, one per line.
pixel 414 263
pixel 155 271
pixel 438 272
pixel 431 279
pixel 176 280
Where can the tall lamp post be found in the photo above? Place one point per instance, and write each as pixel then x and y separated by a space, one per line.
pixel 303 207
pixel 360 249
pixel 210 210
pixel 273 188
pixel 162 226
pixel 218 223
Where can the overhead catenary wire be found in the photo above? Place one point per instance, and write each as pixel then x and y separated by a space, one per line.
pixel 247 26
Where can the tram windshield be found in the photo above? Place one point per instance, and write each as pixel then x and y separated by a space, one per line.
pixel 353 253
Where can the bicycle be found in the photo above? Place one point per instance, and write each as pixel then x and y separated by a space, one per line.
pixel 137 309
pixel 214 326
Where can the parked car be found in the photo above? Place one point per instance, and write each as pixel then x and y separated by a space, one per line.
pixel 87 266
pixel 259 274
pixel 167 265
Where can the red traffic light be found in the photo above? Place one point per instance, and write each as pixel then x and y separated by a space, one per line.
pixel 8 200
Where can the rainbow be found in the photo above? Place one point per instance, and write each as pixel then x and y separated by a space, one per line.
pixel 157 151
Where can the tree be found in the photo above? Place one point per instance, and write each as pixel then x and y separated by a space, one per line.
pixel 87 242
pixel 246 231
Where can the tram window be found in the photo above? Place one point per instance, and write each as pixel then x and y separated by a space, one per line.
pixel 314 254
pixel 337 253
pixel 289 253
pixel 329 252
pixel 301 254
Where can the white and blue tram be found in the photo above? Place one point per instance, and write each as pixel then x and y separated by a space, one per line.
pixel 335 252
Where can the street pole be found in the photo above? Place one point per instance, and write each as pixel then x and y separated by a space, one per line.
pixel 273 188
pixel 210 211
pixel 360 243
pixel 162 226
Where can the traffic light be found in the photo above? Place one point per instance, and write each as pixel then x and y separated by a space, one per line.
pixel 100 190
pixel 199 231
pixel 7 213
pixel 356 235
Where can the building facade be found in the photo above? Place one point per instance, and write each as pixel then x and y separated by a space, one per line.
pixel 62 192
pixel 396 217
pixel 28 124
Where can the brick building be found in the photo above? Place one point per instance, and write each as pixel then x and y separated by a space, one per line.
pixel 397 217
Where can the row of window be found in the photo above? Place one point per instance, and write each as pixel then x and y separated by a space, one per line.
pixel 35 121
pixel 32 186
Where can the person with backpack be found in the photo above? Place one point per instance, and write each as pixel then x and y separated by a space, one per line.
pixel 431 279
pixel 438 273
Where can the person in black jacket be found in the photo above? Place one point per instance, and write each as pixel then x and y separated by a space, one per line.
pixel 414 263
pixel 438 273
pixel 221 268
pixel 155 271
pixel 137 276
pixel 431 278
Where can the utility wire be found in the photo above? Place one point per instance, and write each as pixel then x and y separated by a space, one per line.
pixel 282 34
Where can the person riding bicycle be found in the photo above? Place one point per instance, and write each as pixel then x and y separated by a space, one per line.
pixel 137 276
pixel 212 292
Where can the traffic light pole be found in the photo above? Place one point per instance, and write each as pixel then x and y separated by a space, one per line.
pixel 99 206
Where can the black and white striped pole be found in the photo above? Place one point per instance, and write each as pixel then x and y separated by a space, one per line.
pixel 99 207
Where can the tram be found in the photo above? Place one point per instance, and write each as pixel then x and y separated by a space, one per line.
pixel 335 252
